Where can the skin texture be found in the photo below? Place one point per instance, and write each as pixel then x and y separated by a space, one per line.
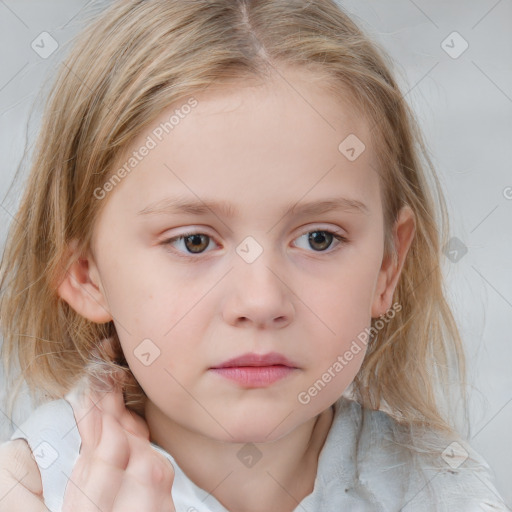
pixel 262 149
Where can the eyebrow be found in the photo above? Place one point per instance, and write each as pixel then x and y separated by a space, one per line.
pixel 175 205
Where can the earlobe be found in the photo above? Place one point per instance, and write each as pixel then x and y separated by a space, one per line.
pixel 80 289
pixel 391 269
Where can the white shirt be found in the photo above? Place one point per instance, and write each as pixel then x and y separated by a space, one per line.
pixel 363 466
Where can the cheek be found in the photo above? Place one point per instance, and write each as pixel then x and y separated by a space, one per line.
pixel 344 303
pixel 157 325
pixel 148 295
pixel 339 353
pixel 160 365
pixel 344 311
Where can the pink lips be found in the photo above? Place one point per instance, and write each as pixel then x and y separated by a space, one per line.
pixel 256 370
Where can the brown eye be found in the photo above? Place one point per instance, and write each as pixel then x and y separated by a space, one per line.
pixel 196 243
pixel 320 240
pixel 189 243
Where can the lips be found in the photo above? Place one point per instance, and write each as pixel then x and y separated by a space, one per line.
pixel 253 359
pixel 253 370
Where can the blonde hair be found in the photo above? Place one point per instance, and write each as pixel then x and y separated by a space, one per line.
pixel 137 58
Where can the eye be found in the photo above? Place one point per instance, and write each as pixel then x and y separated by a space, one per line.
pixel 321 239
pixel 193 243
pixel 196 243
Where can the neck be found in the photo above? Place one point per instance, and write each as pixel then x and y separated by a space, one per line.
pixel 279 480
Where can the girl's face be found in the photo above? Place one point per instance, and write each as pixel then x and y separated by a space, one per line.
pixel 265 191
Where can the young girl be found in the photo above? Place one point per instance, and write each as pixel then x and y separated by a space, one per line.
pixel 223 283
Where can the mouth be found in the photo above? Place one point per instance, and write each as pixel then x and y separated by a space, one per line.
pixel 261 360
pixel 256 370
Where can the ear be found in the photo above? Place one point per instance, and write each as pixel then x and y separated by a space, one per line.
pixel 81 287
pixel 403 234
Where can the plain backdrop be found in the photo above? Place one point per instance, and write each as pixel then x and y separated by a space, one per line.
pixel 454 60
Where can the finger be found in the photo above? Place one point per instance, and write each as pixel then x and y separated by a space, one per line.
pixel 148 466
pixel 87 418
pixel 134 424
pixel 98 473
pixel 147 483
pixel 88 406
pixel 20 481
pixel 15 497
pixel 93 487
pixel 113 403
pixel 18 464
pixel 113 448
pixel 110 400
pixel 123 473
pixel 105 393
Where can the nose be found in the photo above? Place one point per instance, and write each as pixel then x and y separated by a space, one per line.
pixel 258 296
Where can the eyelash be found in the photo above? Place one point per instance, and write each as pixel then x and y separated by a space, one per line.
pixel 191 256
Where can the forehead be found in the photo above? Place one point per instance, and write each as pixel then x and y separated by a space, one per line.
pixel 285 138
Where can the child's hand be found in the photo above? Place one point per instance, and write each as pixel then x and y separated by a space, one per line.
pixel 117 469
pixel 21 489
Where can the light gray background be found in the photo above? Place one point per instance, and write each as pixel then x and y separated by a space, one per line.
pixel 465 107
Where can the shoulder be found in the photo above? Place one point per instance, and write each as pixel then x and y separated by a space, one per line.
pixel 418 468
pixel 466 489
